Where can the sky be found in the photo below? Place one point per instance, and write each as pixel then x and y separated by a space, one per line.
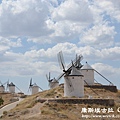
pixel 32 32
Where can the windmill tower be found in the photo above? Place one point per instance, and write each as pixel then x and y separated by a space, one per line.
pixel 11 87
pixel 2 88
pixel 88 73
pixel 73 79
pixel 52 82
pixel 34 87
pixel 74 84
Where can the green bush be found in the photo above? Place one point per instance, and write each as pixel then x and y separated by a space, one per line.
pixel 1 101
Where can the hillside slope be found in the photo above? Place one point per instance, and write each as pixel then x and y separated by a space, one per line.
pixel 30 109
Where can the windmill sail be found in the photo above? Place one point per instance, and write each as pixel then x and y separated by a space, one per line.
pixel 76 62
pixel 61 60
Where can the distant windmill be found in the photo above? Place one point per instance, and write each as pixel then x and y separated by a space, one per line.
pixel 34 88
pixel 2 87
pixel 52 82
pixel 88 73
pixel 11 86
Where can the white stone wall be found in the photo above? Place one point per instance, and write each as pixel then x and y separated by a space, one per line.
pixel 2 89
pixel 88 76
pixel 35 89
pixel 12 89
pixel 53 84
pixel 77 88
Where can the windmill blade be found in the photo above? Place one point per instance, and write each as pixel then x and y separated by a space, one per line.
pixel 76 62
pixel 67 72
pixel 7 84
pixel 70 86
pixel 79 60
pixel 72 64
pixel 30 85
pixel 61 60
pixel 1 83
pixel 30 82
pixel 47 77
pixel 60 76
pixel 29 89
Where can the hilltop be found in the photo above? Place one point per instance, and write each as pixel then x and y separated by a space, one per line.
pixel 31 109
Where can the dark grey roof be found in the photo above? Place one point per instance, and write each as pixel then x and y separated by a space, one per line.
pixel 11 84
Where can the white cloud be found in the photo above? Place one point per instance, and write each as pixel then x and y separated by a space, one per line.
pixel 17 64
pixel 99 36
pixel 3 48
pixel 73 10
pixel 111 53
pixel 24 18
pixel 111 7
pixel 69 19
pixel 6 44
pixel 51 53
pixel 49 21
pixel 39 62
pixel 88 52
pixel 105 69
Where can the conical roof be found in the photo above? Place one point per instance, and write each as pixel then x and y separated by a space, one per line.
pixel 1 86
pixel 35 85
pixel 54 80
pixel 87 67
pixel 11 84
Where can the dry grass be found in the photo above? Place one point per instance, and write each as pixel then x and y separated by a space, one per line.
pixel 59 111
pixel 6 97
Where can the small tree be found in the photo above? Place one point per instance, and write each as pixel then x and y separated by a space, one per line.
pixel 1 101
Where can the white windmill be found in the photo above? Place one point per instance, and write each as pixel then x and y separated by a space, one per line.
pixel 88 73
pixel 11 87
pixel 2 87
pixel 73 79
pixel 34 88
pixel 52 82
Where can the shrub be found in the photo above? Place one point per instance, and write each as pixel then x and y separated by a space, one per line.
pixel 1 101
pixel 4 112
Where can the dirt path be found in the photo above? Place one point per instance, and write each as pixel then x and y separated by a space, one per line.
pixel 8 107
